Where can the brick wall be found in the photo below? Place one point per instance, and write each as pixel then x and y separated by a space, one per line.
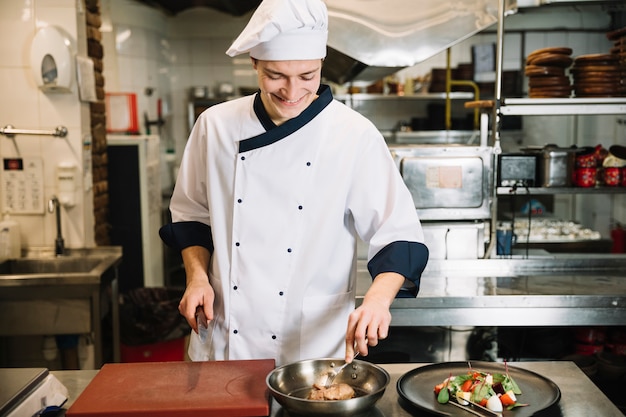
pixel 98 127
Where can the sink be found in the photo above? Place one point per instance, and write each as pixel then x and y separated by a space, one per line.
pixel 50 266
pixel 44 294
pixel 40 264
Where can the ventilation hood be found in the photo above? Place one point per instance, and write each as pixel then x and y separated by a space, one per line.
pixel 369 39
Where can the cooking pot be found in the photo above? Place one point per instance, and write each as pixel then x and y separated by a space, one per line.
pixel 290 385
pixel 555 165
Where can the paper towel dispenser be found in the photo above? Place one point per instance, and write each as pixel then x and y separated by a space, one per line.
pixel 51 57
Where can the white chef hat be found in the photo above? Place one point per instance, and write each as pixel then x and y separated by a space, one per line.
pixel 285 30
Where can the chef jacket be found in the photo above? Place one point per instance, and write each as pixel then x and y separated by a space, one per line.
pixel 280 208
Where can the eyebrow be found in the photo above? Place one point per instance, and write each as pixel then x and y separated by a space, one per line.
pixel 270 71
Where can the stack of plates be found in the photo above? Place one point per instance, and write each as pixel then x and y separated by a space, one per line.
pixel 596 75
pixel 545 69
pixel 619 51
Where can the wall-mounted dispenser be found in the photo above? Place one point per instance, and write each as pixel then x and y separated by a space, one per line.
pixel 66 184
pixel 52 60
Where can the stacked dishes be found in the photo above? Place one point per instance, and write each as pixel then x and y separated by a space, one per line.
pixel 545 69
pixel 619 51
pixel 596 75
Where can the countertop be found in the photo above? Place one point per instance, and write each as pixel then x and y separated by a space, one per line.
pixel 558 290
pixel 579 396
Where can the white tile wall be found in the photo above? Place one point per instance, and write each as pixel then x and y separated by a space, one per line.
pixel 24 106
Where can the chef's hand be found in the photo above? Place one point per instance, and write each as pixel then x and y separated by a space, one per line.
pixel 198 293
pixel 369 323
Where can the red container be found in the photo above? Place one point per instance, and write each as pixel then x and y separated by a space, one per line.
pixel 590 335
pixel 167 351
pixel 612 176
pixel 585 177
pixel 586 158
pixel 623 177
pixel 584 349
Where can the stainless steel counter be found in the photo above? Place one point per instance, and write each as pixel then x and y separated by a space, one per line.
pixel 549 291
pixel 579 396
pixel 71 294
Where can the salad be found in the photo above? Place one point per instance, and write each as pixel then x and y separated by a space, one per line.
pixel 494 391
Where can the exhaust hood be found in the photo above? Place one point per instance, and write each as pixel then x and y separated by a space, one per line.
pixel 369 39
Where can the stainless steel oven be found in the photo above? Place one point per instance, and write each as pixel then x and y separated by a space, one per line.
pixel 450 186
pixel 447 182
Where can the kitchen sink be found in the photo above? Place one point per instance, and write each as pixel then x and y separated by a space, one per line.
pixel 45 294
pixel 41 264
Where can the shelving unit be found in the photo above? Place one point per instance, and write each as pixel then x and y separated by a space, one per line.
pixel 455 95
pixel 502 191
pixel 562 106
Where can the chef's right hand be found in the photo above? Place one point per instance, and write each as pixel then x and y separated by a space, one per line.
pixel 198 294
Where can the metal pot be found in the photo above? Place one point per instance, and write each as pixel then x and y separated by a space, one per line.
pixel 291 383
pixel 555 165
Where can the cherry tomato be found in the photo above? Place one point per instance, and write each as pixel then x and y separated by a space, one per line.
pixel 467 385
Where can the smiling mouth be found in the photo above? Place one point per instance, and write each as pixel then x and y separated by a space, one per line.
pixel 291 102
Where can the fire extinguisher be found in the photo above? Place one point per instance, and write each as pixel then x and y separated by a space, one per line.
pixel 618 236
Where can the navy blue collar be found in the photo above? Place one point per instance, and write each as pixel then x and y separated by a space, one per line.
pixel 275 133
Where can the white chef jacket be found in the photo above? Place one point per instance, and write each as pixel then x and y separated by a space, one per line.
pixel 285 207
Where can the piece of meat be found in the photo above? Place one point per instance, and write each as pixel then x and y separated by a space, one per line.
pixel 333 392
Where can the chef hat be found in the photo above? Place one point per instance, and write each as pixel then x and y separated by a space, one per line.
pixel 285 30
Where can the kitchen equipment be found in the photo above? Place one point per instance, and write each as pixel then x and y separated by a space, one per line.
pixel 25 391
pixel 181 389
pixel 291 383
pixel 332 376
pixel 447 182
pixel 455 239
pixel 585 177
pixel 517 169
pixel 202 323
pixel 556 165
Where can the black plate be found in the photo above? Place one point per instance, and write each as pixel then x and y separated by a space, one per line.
pixel 417 387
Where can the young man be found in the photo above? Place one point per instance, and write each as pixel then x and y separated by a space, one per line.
pixel 273 191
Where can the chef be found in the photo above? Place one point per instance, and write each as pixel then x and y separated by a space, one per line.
pixel 273 192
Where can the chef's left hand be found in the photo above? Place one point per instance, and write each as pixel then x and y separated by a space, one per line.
pixel 370 321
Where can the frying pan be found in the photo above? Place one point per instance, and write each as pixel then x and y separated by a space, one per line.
pixel 290 384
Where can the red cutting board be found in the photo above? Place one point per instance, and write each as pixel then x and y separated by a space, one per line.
pixel 181 389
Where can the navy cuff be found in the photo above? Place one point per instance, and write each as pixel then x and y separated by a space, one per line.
pixel 405 258
pixel 181 235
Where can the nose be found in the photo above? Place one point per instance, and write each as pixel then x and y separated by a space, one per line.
pixel 291 88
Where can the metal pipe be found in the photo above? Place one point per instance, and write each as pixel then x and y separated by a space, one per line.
pixel 495 130
pixel 449 83
pixel 59 243
pixel 10 131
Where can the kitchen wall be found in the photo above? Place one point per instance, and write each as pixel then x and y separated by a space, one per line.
pixel 25 106
pixel 161 57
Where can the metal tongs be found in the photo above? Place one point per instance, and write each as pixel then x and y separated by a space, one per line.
pixel 474 408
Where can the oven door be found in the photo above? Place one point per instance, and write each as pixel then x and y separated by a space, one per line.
pixel 447 183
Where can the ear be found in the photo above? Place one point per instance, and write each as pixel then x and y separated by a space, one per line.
pixel 254 62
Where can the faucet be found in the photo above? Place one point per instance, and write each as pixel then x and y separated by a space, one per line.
pixel 59 245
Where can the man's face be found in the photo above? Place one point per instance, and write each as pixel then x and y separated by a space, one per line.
pixel 287 87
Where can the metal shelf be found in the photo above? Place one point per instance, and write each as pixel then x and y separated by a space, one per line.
pixel 562 106
pixel 455 95
pixel 502 191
